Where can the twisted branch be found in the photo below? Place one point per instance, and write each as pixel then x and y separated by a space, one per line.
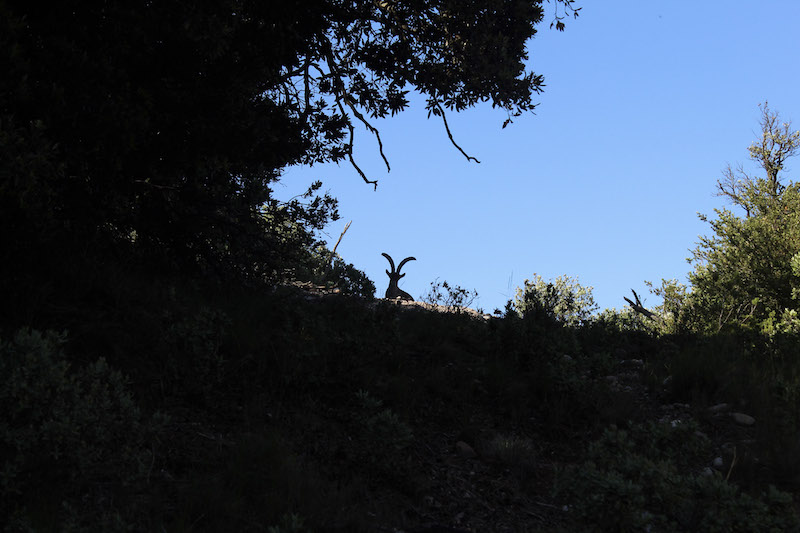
pixel 639 308
pixel 449 134
pixel 341 94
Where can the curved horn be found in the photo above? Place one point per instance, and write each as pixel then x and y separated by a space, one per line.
pixel 404 261
pixel 390 261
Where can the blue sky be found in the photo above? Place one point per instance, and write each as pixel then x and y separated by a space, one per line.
pixel 645 105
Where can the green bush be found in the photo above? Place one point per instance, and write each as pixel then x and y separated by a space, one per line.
pixel 615 321
pixel 382 426
pixel 677 314
pixel 643 480
pixel 563 300
pixel 350 279
pixel 75 445
pixel 326 268
pixel 454 297
pixel 787 323
pixel 747 268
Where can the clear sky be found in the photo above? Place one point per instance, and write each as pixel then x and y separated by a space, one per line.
pixel 645 105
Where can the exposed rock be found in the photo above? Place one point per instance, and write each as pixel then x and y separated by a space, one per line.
pixel 719 408
pixel 743 419
pixel 728 449
pixel 465 450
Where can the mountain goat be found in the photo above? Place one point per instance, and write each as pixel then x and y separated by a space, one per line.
pixel 394 276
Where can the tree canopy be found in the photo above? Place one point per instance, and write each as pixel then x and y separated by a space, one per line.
pixel 744 271
pixel 161 126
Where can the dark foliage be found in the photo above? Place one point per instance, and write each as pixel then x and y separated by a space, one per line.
pixel 155 130
pixel 138 146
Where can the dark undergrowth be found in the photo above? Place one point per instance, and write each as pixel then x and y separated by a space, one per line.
pixel 140 403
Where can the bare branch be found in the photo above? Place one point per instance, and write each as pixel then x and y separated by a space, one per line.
pixel 639 308
pixel 307 95
pixel 722 321
pixel 733 185
pixel 333 252
pixel 374 183
pixel 370 127
pixel 450 135
pixel 778 143
pixel 341 94
pixel 156 186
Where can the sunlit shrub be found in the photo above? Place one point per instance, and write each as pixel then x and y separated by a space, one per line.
pixel 622 320
pixel 787 322
pixel 564 300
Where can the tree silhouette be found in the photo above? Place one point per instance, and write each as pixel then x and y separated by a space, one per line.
pixel 158 128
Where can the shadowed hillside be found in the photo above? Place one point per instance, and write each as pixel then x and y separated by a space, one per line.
pixel 177 406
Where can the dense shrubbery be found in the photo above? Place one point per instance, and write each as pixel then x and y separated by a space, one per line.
pixel 745 273
pixel 650 478
pixel 137 157
pixel 329 269
pixel 76 449
pixel 245 357
pixel 563 300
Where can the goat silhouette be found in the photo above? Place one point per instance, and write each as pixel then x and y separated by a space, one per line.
pixel 394 276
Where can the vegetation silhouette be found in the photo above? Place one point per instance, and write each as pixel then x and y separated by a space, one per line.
pixel 163 366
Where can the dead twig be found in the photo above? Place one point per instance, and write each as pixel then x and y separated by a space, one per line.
pixel 441 113
pixel 639 308
pixel 733 463
pixel 333 252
